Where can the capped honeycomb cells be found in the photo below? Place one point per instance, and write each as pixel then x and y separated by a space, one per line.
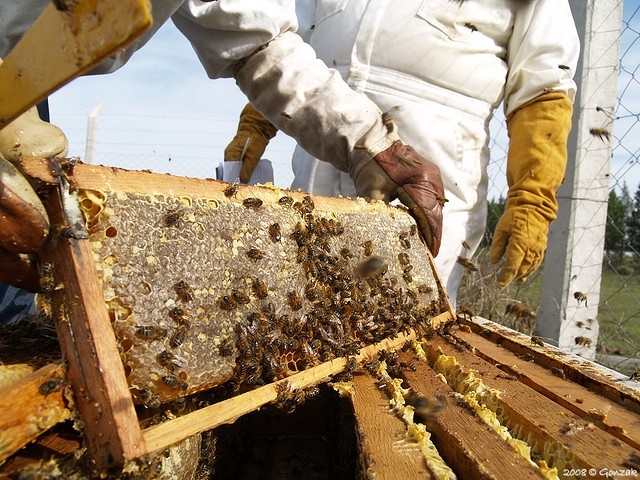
pixel 202 291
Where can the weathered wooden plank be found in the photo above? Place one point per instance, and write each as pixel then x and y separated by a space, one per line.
pixel 381 434
pixel 464 441
pixel 31 406
pixel 620 422
pixel 227 411
pixel 562 438
pixel 89 347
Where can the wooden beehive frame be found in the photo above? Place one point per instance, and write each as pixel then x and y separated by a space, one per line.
pixel 95 370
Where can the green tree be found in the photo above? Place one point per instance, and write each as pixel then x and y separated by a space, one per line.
pixel 633 224
pixel 615 238
pixel 495 209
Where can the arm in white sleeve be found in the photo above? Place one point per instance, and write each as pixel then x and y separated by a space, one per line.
pixel 543 53
pixel 305 99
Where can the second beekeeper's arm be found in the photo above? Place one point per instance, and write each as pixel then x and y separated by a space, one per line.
pixel 250 141
pixel 302 97
pixel 538 103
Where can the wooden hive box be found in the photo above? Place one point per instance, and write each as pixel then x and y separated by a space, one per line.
pixel 165 286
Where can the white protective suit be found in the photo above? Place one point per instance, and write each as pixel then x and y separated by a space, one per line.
pixel 440 68
pixel 286 77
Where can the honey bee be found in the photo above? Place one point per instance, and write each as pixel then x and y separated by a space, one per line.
pixel 184 291
pixel 274 232
pixel 407 277
pixel 286 201
pixel 404 240
pixel 178 338
pixel 255 254
pixel 404 259
pixel 259 288
pixel 254 203
pixel 635 376
pixel 537 341
pixel 180 404
pixel 66 232
pixel 51 385
pixel 169 360
pixel 286 115
pixel 346 253
pixel 47 282
pixel 368 247
pixel 583 341
pixel 600 133
pixel 150 399
pixel 179 315
pixel 308 203
pixel 351 365
pixel 294 300
pixel 471 26
pixel 413 229
pixel 373 267
pixel 466 245
pixel 240 297
pixel 151 332
pixel 173 381
pixel 172 218
pixel 468 264
pixel 227 303
pixel 580 297
pixel 564 67
pixel 226 348
pixel 231 190
pixel 518 310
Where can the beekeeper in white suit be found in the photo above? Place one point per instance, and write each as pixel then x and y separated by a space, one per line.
pixel 254 42
pixel 440 68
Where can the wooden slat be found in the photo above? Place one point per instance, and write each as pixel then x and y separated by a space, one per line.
pixel 89 347
pixel 540 417
pixel 26 411
pixel 380 432
pixel 620 422
pixel 227 411
pixel 612 385
pixel 463 440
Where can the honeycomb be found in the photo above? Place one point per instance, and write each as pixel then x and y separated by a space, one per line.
pixel 243 290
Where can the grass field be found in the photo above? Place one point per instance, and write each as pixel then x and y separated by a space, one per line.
pixel 618 313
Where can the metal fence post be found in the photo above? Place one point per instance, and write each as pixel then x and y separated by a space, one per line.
pixel 573 263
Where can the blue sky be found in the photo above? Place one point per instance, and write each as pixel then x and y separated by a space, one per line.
pixel 161 112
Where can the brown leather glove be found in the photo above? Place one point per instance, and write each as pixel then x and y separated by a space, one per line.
pixel 259 130
pixel 401 172
pixel 24 224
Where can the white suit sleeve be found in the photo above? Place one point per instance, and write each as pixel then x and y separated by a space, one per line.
pixel 301 96
pixel 543 53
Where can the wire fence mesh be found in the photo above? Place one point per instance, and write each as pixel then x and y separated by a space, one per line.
pixel 163 147
pixel 618 344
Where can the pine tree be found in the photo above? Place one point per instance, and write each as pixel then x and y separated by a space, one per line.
pixel 615 234
pixel 633 224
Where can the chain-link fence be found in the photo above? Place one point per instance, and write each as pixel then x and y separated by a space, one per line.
pixel 162 147
pixel 618 343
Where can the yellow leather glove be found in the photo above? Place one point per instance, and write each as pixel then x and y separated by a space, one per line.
pixel 536 166
pixel 259 130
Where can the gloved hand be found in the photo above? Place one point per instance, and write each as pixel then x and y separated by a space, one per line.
pixel 536 165
pixel 401 172
pixel 24 223
pixel 314 105
pixel 254 126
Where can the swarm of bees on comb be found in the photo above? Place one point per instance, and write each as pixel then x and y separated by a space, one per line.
pixel 243 291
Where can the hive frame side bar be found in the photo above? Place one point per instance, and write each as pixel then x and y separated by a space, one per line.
pixel 89 346
pixel 26 400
